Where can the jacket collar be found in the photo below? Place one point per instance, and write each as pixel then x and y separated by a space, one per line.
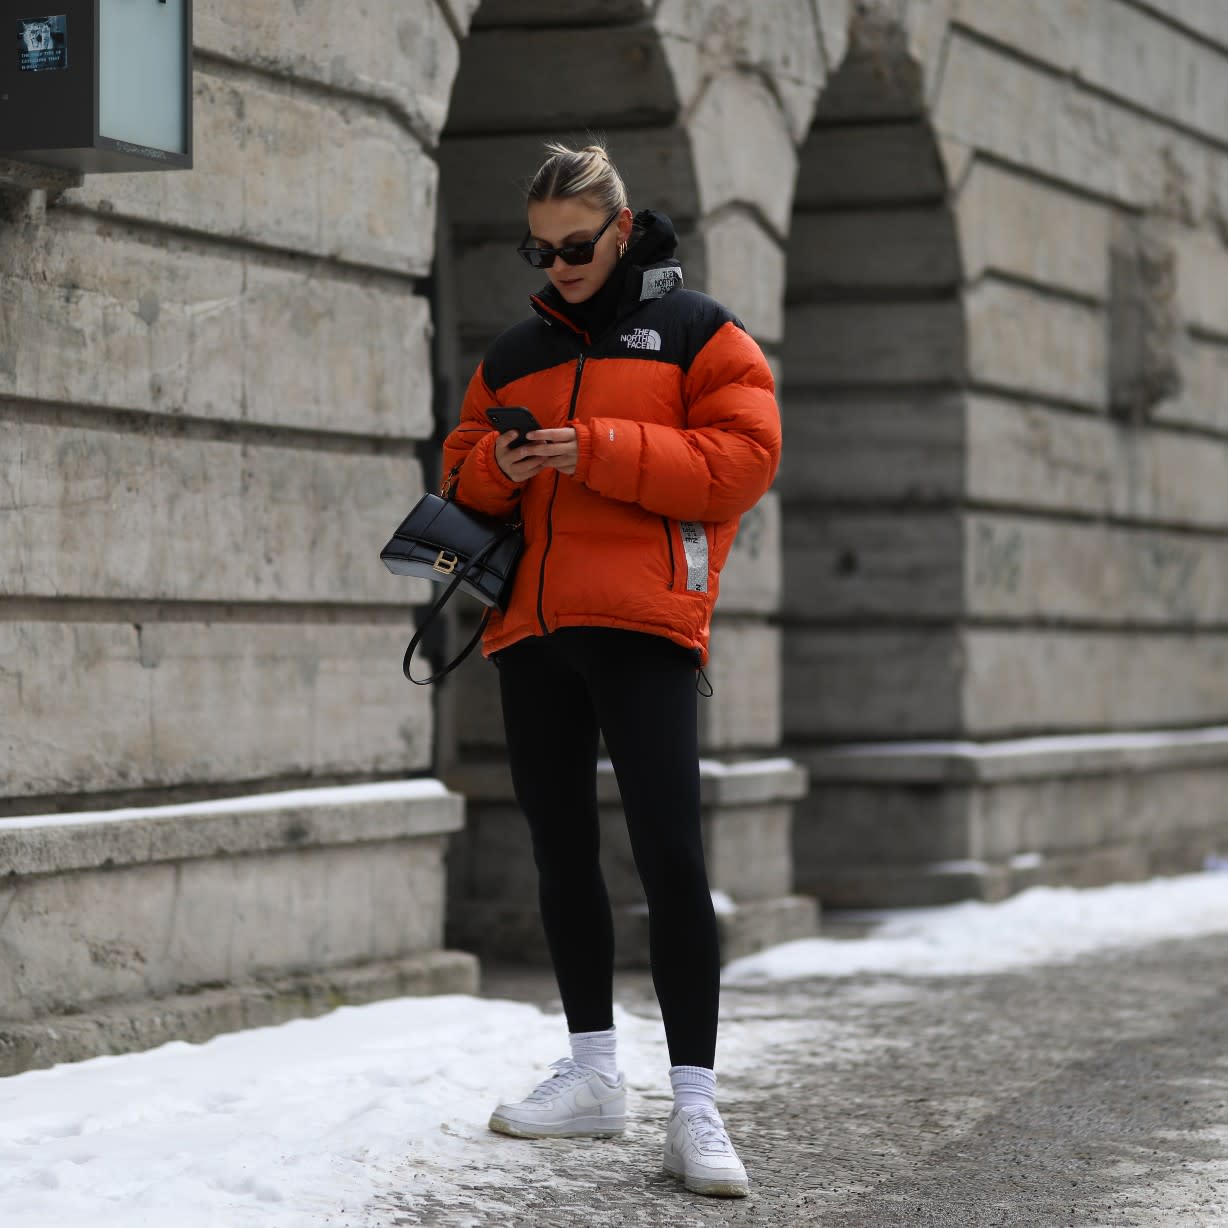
pixel 651 272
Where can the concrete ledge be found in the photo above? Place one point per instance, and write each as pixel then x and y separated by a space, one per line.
pixel 1017 758
pixel 198 1016
pixel 720 784
pixel 302 818
pixel 901 824
pixel 122 910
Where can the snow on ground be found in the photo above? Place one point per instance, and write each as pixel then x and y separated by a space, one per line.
pixel 311 1122
pixel 1043 925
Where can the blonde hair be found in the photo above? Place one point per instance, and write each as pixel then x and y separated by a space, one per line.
pixel 586 172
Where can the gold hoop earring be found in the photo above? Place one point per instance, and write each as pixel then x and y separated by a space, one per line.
pixel 622 248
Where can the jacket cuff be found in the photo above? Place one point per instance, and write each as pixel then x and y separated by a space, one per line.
pixel 584 450
pixel 491 472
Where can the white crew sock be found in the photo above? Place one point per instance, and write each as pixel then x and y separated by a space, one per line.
pixel 597 1050
pixel 694 1087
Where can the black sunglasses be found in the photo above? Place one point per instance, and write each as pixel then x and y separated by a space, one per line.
pixel 572 253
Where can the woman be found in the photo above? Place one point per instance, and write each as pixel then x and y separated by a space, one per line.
pixel 659 428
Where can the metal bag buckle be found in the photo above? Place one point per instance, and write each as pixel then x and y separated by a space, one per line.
pixel 445 563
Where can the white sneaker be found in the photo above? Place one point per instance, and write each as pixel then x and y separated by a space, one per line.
pixel 575 1102
pixel 698 1152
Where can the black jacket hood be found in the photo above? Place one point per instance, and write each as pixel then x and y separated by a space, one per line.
pixel 648 270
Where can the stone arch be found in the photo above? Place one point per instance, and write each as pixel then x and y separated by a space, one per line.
pixel 872 398
pixel 703 104
pixel 530 72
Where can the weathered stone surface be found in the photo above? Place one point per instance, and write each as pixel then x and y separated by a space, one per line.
pixel 108 706
pixel 1010 760
pixel 1108 680
pixel 181 331
pixel 778 41
pixel 1201 401
pixel 484 178
pixel 1201 279
pixel 928 26
pixel 1043 458
pixel 1030 569
pixel 853 164
pixel 132 906
pixel 871 683
pixel 746 272
pixel 997 103
pixel 1204 16
pixel 873 344
pixel 743 712
pixel 76 939
pixel 400 51
pixel 883 249
pixel 1014 224
pixel 1116 49
pixel 295 171
pixel 841 824
pixel 514 80
pixel 751 580
pixel 1143 319
pixel 1077 814
pixel 196 1017
pixel 842 565
pixel 847 448
pixel 111 513
pixel 834 18
pixel 743 153
pixel 878 77
pixel 227 827
pixel 1009 325
pixel 903 823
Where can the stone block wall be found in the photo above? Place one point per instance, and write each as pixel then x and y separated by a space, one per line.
pixel 985 245
pixel 1102 250
pixel 214 388
pixel 1016 528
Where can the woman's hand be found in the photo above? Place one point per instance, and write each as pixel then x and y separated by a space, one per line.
pixel 552 447
pixel 555 447
pixel 518 464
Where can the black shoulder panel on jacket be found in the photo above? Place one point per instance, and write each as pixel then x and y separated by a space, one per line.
pixel 532 345
pixel 670 329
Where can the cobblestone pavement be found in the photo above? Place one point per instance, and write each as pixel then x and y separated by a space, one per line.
pixel 1094 1094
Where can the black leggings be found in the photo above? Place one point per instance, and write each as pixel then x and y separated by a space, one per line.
pixel 638 690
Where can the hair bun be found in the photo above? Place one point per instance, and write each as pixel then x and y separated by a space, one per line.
pixel 598 151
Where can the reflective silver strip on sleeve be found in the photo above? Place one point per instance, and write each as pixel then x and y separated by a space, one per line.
pixel 695 544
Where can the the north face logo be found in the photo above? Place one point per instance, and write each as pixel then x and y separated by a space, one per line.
pixel 642 339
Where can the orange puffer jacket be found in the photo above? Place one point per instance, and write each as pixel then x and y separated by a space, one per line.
pixel 678 432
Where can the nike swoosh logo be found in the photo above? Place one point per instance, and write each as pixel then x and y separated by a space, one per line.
pixel 586 1100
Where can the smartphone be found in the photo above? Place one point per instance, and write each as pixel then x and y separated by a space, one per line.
pixel 512 418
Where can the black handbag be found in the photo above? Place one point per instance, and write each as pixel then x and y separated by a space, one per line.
pixel 442 541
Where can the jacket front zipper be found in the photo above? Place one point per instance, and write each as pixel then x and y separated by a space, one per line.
pixel 541 579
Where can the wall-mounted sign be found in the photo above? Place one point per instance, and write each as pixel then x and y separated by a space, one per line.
pixel 42 43
pixel 118 98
